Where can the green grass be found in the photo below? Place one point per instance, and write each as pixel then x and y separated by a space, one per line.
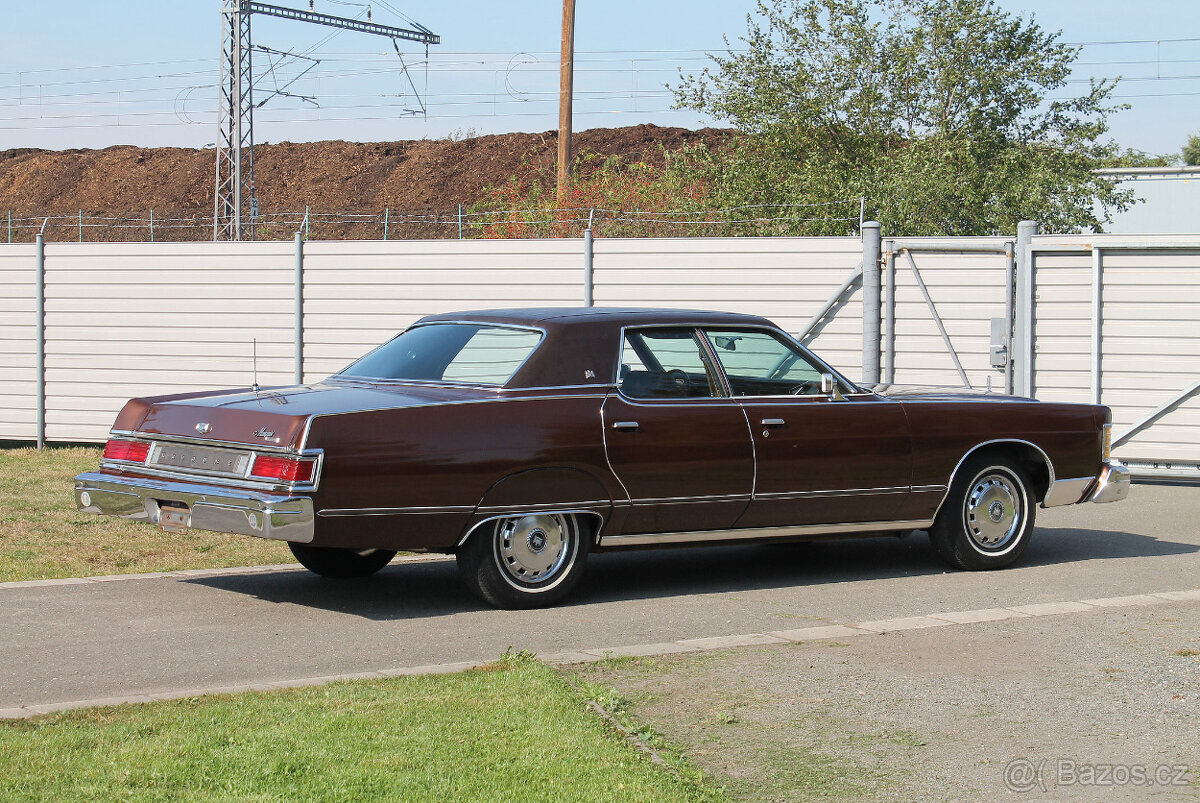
pixel 513 731
pixel 43 536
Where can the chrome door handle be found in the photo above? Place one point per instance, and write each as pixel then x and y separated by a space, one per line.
pixel 626 426
pixel 776 423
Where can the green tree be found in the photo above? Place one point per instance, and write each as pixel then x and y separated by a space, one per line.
pixel 950 117
pixel 1191 151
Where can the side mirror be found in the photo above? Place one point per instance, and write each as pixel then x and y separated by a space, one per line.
pixel 829 387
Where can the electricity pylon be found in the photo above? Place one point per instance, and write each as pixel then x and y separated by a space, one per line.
pixel 235 114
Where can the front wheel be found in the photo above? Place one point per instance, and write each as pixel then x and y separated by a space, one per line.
pixel 524 561
pixel 988 515
pixel 341 562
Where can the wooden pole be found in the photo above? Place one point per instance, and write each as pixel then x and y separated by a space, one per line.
pixel 566 81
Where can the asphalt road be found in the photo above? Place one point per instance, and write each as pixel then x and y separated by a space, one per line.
pixel 86 641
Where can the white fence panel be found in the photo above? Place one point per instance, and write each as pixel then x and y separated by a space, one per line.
pixel 360 294
pixel 968 290
pixel 786 279
pixel 18 331
pixel 139 319
pixel 1149 337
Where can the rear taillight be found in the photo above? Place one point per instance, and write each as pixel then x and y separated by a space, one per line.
pixel 1106 444
pixel 126 451
pixel 284 469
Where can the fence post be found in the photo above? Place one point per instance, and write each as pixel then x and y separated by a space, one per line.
pixel 460 221
pixel 871 246
pixel 151 225
pixel 1023 325
pixel 386 214
pixel 80 225
pixel 588 280
pixel 40 368
pixel 889 314
pixel 298 336
pixel 10 225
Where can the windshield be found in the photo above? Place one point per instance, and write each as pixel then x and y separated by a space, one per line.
pixel 449 352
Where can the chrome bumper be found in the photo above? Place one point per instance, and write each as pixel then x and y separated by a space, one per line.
pixel 223 510
pixel 1112 485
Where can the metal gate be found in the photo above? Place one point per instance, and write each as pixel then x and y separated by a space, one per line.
pixel 1116 321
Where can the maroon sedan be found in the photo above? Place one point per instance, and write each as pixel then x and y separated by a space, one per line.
pixel 522 440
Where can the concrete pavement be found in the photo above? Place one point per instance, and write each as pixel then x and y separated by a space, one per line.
pixel 161 635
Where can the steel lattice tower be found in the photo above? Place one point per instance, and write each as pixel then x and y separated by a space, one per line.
pixel 235 123
pixel 235 109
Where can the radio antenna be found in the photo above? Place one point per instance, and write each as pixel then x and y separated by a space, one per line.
pixel 254 362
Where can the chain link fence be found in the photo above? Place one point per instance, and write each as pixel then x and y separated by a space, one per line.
pixel 175 225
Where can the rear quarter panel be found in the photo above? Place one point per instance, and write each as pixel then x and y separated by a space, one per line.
pixel 944 432
pixel 440 463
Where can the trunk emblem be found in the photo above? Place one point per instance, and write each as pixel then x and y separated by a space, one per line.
pixel 204 428
pixel 264 433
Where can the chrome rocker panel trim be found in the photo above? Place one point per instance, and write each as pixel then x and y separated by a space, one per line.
pixel 225 510
pixel 762 532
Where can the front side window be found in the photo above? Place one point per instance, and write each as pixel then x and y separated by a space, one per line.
pixel 450 352
pixel 764 364
pixel 666 363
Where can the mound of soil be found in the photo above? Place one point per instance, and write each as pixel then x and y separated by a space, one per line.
pixel 127 182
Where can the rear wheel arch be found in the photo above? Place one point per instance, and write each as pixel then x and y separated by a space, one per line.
pixel 1029 456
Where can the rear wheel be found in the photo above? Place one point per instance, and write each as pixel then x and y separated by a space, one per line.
pixel 525 561
pixel 987 518
pixel 329 561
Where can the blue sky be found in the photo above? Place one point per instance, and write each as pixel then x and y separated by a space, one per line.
pixel 91 74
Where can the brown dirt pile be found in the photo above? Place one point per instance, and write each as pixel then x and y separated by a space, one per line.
pixel 406 176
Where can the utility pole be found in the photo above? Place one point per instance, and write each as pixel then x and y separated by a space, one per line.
pixel 235 115
pixel 565 92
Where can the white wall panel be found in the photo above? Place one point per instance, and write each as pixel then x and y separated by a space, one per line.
pixel 18 355
pixel 968 290
pixel 139 319
pixel 786 279
pixel 1149 335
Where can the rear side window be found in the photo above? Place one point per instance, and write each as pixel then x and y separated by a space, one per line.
pixel 450 352
pixel 666 363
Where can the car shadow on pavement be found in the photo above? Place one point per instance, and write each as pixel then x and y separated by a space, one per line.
pixel 432 589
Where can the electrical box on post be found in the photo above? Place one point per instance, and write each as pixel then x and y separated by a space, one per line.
pixel 999 347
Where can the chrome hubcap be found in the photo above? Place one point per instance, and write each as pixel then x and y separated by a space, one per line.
pixel 533 548
pixel 994 511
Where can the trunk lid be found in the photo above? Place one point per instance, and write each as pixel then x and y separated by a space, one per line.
pixel 274 417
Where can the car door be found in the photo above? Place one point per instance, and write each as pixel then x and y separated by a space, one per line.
pixel 679 445
pixel 838 457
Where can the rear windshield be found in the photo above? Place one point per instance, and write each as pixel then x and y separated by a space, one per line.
pixel 450 352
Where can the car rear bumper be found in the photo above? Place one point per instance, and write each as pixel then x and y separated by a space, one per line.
pixel 1112 485
pixel 224 510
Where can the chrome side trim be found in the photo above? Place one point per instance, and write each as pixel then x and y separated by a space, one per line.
pixel 976 448
pixel 1067 492
pixel 762 532
pixel 543 507
pixel 1113 484
pixel 281 517
pixel 393 511
pixel 899 489
pixel 599 518
pixel 679 500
